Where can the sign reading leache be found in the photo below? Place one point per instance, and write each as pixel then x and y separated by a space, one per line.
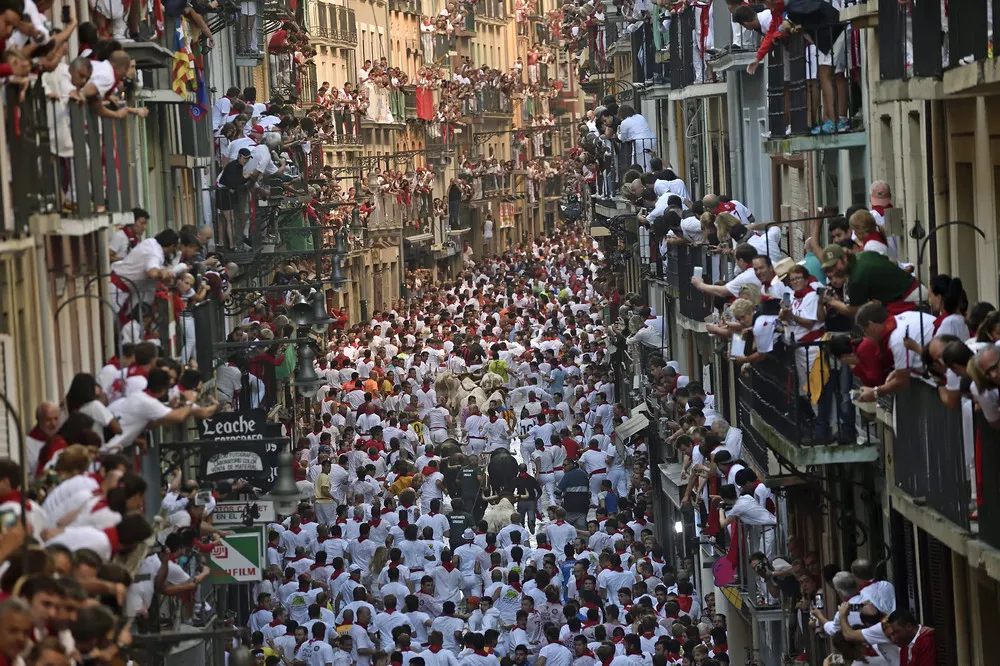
pixel 239 453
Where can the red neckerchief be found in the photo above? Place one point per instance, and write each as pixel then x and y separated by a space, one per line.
pixel 560 522
pixel 607 662
pixel 136 370
pixel 317 566
pixel 114 362
pixel 375 522
pixel 101 504
pixel 295 530
pixel 447 566
pixel 522 475
pixel 939 320
pixel 403 524
pixel 801 293
pixel 14 496
pixel 390 611
pixel 482 653
pixel 588 653
pixel 865 584
pixel 435 648
pixel 361 539
pixel 274 623
pixel 493 419
pixel 544 546
pixel 720 649
pixel 490 549
pixel 647 634
pixel 133 238
pixel 881 209
pixel 36 433
pixel 684 601
pixel 336 574
pixel 112 534
pixel 516 586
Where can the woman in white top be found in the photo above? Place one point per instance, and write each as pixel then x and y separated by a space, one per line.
pixel 803 323
pixel 634 128
pixel 948 300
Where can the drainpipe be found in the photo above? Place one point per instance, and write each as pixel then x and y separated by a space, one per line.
pixel 45 315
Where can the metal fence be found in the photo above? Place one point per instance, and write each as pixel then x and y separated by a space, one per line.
pixel 249 32
pixel 798 102
pixel 932 463
pixel 80 169
pixel 804 396
pixel 988 481
pixel 682 67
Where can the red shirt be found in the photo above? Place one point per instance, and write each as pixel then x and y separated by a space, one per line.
pixel 870 368
pixel 922 650
pixel 572 448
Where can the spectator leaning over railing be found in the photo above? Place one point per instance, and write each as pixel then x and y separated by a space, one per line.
pixel 885 338
pixel 97 80
pixel 871 277
pixel 744 255
pixel 984 369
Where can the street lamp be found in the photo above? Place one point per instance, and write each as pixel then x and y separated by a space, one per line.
pixel 284 494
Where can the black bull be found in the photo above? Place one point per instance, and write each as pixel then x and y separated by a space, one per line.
pixel 501 472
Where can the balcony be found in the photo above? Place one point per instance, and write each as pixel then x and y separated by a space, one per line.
pixel 248 32
pixel 954 53
pixel 491 11
pixel 600 67
pixel 410 103
pixel 800 118
pixel 738 53
pixel 343 29
pixel 491 186
pixel 682 260
pixel 405 6
pixel 552 187
pixel 623 155
pixel 81 172
pixel 946 468
pixel 443 47
pixel 807 420
pixel 283 75
pixel 690 72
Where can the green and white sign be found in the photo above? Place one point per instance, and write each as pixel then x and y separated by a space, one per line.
pixel 240 557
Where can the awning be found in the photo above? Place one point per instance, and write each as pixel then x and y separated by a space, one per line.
pixel 632 425
pixel 419 238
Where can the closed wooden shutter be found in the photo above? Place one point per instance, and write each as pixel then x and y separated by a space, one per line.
pixel 938 599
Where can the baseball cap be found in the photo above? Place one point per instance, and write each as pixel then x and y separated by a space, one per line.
pixel 831 255
pixel 880 194
pixel 355 569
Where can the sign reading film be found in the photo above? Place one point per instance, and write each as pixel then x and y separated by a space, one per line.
pixel 239 445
